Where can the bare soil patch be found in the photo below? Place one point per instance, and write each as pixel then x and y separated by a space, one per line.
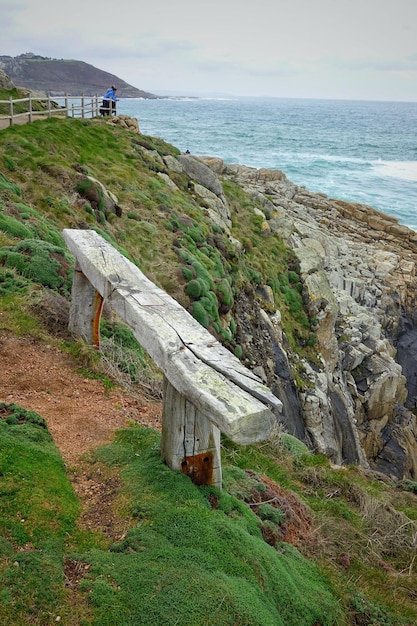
pixel 80 412
pixel 81 415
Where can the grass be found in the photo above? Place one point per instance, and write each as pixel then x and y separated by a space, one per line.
pixel 364 540
pixel 59 150
pixel 184 562
pixel 269 261
pixel 196 555
pixel 38 511
pixel 15 314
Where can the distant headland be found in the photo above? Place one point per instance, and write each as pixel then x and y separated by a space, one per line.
pixel 57 77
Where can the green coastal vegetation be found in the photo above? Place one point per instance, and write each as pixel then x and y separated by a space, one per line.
pixel 290 539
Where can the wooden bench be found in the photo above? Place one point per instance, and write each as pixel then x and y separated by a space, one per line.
pixel 206 388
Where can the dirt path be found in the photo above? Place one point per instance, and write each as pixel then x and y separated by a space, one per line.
pixel 18 121
pixel 81 414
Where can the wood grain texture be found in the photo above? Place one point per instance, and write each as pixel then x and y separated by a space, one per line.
pixel 197 366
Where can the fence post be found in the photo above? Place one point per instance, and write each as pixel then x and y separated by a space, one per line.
pixel 49 106
pixel 30 108
pixel 66 105
pixel 11 110
pixel 82 106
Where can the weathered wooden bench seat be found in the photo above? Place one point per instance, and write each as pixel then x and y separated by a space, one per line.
pixel 206 388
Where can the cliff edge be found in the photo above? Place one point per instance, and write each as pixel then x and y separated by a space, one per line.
pixel 358 270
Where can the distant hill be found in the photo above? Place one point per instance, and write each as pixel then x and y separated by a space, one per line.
pixel 57 77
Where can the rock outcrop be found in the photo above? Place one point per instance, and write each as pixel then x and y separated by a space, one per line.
pixel 208 187
pixel 358 269
pixel 5 81
pixel 101 199
pixel 125 121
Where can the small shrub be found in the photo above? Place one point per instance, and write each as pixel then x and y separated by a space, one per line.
pixel 225 334
pixel 84 186
pixel 232 326
pixel 133 216
pixel 225 295
pixel 196 234
pixel 10 164
pixel 122 334
pixel 148 227
pixel 254 276
pixel 187 273
pixel 366 613
pixel 185 255
pixel 216 326
pixel 202 274
pixel 193 289
pixel 14 414
pixel 312 340
pixel 270 513
pixel 292 444
pixel 124 359
pixel 7 185
pixel 14 227
pixel 210 303
pixel 200 314
pixel 10 283
pixel 155 184
pixel 408 485
pixel 39 261
pixel 274 283
pixel 238 351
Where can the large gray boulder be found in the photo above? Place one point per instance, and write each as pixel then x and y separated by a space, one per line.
pixel 208 187
pixel 201 173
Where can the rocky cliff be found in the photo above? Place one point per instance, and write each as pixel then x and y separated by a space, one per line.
pixel 355 402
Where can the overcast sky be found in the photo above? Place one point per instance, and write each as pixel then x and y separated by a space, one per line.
pixel 343 49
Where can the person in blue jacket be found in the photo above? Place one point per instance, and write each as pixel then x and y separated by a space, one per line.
pixel 109 101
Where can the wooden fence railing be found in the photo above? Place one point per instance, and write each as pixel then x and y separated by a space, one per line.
pixel 28 109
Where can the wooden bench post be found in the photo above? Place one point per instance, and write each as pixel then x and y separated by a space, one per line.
pixel 190 442
pixel 85 310
pixel 207 390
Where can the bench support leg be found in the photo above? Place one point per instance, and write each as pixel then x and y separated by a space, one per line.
pixel 190 441
pixel 85 311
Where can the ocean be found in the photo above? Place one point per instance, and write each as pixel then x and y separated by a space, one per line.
pixel 350 150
